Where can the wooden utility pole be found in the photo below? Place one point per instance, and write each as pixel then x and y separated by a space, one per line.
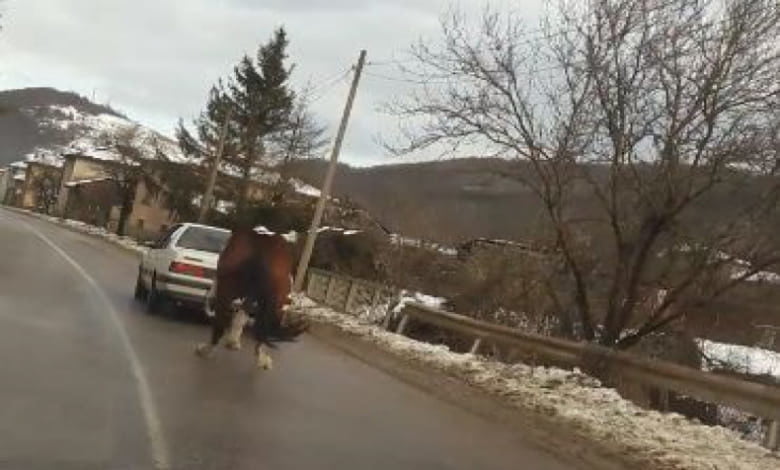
pixel 303 264
pixel 209 194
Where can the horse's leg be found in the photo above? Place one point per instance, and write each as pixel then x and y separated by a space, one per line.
pixel 232 339
pixel 220 323
pixel 261 330
pixel 211 298
pixel 263 359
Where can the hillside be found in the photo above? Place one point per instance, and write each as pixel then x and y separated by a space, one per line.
pixel 455 200
pixel 41 123
pixel 447 201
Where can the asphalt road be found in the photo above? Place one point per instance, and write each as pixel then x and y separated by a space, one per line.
pixel 88 380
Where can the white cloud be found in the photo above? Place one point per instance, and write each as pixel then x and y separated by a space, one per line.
pixel 156 59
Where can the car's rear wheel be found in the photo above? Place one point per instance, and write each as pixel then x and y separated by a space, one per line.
pixel 153 297
pixel 140 289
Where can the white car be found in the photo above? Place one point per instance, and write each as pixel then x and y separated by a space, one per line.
pixel 180 266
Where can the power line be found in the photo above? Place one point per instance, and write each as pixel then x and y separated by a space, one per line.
pixel 383 63
pixel 321 90
pixel 398 79
pixel 443 80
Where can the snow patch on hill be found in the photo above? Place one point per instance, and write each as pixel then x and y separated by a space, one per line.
pixel 89 134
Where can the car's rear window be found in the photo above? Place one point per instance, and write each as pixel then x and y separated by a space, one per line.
pixel 203 239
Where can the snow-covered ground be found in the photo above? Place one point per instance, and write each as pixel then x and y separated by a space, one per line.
pixel 742 359
pixel 575 400
pixel 124 242
pixel 72 184
pixel 305 189
pixel 291 236
pixel 407 297
pixel 414 242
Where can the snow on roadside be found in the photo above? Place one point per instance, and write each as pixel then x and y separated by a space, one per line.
pixel 742 359
pixel 417 243
pixel 305 189
pixel 576 400
pixel 407 297
pixel 124 242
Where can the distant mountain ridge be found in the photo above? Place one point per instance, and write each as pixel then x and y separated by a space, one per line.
pixel 446 201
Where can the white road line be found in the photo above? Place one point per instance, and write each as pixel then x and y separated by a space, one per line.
pixel 153 424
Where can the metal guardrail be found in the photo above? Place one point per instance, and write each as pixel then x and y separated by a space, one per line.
pixel 350 295
pixel 755 398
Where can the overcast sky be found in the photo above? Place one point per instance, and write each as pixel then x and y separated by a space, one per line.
pixel 156 59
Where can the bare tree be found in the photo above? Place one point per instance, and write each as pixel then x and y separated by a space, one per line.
pixel 133 151
pixel 46 186
pixel 648 130
pixel 301 137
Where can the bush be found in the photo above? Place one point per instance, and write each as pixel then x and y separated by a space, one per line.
pixel 506 287
pixel 351 255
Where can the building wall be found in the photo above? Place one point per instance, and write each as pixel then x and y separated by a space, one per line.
pixel 5 178
pixel 76 169
pixel 15 192
pixel 91 203
pixel 148 218
pixel 30 190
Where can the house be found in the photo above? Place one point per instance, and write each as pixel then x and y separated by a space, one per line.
pixel 40 187
pixel 13 182
pixel 90 192
pixel 5 181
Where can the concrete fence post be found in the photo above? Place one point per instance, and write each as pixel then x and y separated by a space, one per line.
pixel 329 291
pixel 309 282
pixel 402 325
pixel 475 347
pixel 663 400
pixel 772 441
pixel 375 296
pixel 350 295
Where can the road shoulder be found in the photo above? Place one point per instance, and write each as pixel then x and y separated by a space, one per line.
pixel 542 431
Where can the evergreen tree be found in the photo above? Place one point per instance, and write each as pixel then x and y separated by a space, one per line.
pixel 269 126
pixel 202 145
pixel 204 142
pixel 263 101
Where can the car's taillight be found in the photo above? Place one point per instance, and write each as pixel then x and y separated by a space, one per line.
pixel 188 269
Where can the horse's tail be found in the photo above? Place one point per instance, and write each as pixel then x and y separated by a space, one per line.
pixel 269 325
pixel 290 329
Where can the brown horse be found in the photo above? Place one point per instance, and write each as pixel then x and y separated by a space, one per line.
pixel 253 280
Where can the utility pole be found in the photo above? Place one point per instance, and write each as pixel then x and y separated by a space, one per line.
pixel 209 194
pixel 303 264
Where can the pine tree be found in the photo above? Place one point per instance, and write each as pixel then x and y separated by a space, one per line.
pixel 202 144
pixel 263 102
pixel 269 125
